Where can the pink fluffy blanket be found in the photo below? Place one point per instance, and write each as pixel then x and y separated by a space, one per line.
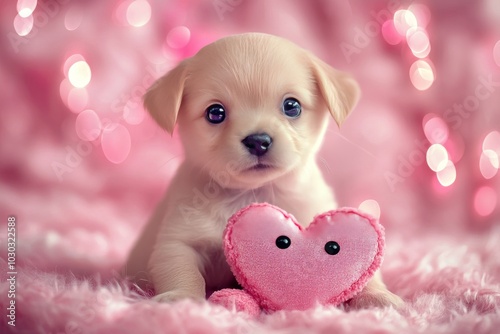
pixel 65 284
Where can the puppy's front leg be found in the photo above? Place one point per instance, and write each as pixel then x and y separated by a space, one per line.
pixel 376 294
pixel 174 268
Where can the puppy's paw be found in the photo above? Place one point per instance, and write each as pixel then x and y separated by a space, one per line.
pixel 377 298
pixel 236 300
pixel 176 295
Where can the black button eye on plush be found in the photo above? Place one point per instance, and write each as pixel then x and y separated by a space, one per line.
pixel 332 248
pixel 291 107
pixel 283 242
pixel 215 113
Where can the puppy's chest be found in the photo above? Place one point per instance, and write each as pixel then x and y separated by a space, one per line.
pixel 211 219
pixel 218 211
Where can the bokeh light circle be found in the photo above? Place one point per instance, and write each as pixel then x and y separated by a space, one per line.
pixel 422 14
pixel 448 175
pixel 437 157
pixel 390 33
pixel 138 13
pixel 492 142
pixel 23 25
pixel 421 75
pixel 371 207
pixel 116 143
pixel 73 18
pixel 422 54
pixel 496 53
pixel 70 61
pixel 25 8
pixel 178 37
pixel 418 41
pixel 489 164
pixel 79 74
pixel 404 20
pixel 485 201
pixel 133 113
pixel 64 89
pixel 436 130
pixel 88 125
pixel 77 99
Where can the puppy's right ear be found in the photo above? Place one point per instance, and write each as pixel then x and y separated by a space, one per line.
pixel 163 99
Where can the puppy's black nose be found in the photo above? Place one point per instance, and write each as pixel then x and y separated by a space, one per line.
pixel 258 143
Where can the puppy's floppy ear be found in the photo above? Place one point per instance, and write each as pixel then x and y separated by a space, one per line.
pixel 339 90
pixel 163 98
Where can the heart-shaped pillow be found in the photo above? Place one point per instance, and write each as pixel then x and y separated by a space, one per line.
pixel 284 266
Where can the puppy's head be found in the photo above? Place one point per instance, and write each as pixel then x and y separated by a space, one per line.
pixel 251 108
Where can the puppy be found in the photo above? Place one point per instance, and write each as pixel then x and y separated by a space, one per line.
pixel 251 112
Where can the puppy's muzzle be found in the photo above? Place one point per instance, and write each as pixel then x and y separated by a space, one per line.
pixel 258 143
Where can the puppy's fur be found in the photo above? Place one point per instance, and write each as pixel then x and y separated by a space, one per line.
pixel 251 75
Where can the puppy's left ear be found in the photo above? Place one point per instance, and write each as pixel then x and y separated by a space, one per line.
pixel 339 90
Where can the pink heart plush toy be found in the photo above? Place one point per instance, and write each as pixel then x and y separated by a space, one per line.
pixel 282 265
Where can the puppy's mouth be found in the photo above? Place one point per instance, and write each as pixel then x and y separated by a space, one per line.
pixel 260 167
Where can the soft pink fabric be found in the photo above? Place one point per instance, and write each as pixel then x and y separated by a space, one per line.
pixel 303 274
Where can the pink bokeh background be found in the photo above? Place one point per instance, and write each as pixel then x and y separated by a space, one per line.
pixel 82 165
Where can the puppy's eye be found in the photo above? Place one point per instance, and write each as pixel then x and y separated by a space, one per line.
pixel 215 113
pixel 291 107
pixel 283 242
pixel 332 248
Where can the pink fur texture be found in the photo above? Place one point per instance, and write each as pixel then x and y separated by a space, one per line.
pixel 450 282
pixel 302 274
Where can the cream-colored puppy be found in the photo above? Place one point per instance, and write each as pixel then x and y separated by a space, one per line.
pixel 251 111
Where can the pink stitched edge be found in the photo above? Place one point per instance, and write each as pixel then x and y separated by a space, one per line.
pixel 231 254
pixel 342 297
pixel 357 286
